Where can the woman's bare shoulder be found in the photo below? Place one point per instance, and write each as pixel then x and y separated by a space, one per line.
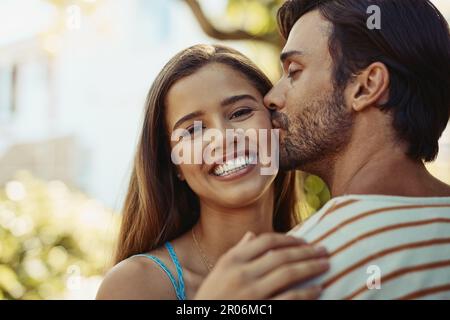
pixel 136 278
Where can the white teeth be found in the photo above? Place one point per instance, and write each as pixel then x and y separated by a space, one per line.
pixel 233 165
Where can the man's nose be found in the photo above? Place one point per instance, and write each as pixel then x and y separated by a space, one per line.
pixel 274 99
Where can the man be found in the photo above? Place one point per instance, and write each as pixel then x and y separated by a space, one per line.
pixel 363 108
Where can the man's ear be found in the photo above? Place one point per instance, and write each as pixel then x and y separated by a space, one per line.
pixel 369 88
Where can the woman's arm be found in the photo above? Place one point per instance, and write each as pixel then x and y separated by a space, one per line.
pixel 133 279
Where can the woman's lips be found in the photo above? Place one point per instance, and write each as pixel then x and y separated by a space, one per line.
pixel 233 168
pixel 235 174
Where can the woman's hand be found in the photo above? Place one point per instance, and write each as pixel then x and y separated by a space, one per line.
pixel 265 267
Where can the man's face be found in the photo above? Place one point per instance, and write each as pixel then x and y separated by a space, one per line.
pixel 310 112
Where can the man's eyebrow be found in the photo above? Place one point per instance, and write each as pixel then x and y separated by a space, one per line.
pixel 236 98
pixel 187 117
pixel 285 55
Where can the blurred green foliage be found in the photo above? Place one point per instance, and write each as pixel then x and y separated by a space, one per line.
pixel 313 194
pixel 316 193
pixel 257 17
pixel 50 236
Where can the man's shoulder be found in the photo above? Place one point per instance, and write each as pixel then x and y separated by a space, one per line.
pixel 358 208
pixel 395 236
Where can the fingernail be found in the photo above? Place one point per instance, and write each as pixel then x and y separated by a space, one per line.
pixel 321 250
pixel 247 236
pixel 323 263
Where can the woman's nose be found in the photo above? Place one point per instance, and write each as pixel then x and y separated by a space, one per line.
pixel 225 136
pixel 215 135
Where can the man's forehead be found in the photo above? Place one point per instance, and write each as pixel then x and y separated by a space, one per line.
pixel 307 31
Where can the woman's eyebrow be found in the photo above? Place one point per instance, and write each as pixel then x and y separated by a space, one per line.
pixel 230 100
pixel 187 117
pixel 225 102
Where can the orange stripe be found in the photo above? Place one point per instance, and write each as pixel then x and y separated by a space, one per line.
pixel 382 253
pixel 373 212
pixel 426 292
pixel 401 272
pixel 331 210
pixel 389 228
pixel 337 207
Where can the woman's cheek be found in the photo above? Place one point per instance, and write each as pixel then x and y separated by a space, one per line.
pixel 192 174
pixel 188 151
pixel 264 126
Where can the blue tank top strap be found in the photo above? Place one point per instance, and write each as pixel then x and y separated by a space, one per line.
pixel 178 285
pixel 179 269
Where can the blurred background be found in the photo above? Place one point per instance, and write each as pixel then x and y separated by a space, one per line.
pixel 73 79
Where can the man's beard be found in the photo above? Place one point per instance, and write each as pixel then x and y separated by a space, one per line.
pixel 318 132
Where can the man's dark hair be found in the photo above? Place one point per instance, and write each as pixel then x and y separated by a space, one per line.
pixel 414 44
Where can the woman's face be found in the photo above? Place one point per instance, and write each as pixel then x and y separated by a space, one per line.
pixel 221 98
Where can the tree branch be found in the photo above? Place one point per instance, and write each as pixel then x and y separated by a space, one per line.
pixel 209 29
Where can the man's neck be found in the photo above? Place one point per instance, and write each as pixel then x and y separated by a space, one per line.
pixel 386 170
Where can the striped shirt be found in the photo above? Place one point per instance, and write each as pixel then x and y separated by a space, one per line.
pixel 383 247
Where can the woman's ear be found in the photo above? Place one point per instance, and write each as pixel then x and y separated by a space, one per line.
pixel 370 87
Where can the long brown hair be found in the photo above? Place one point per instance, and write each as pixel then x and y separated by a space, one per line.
pixel 158 206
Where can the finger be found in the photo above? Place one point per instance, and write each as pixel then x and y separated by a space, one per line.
pixel 262 244
pixel 246 238
pixel 311 293
pixel 283 256
pixel 286 276
pixel 291 232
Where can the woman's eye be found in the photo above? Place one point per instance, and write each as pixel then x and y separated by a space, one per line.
pixel 240 113
pixel 194 129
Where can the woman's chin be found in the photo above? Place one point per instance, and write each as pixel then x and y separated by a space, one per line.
pixel 238 199
pixel 247 191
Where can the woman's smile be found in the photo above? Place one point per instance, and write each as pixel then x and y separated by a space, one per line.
pixel 234 168
pixel 228 173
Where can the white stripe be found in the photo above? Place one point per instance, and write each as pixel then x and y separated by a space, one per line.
pixel 371 222
pixel 365 248
pixel 444 295
pixel 358 278
pixel 312 221
pixel 346 285
pixel 381 220
pixel 410 283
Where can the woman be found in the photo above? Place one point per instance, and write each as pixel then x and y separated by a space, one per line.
pixel 207 231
